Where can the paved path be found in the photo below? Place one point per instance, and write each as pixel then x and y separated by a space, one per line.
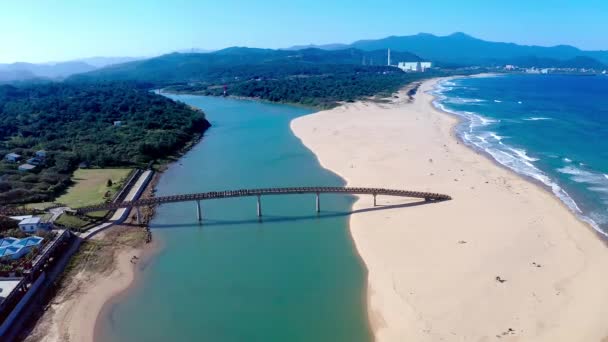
pixel 121 214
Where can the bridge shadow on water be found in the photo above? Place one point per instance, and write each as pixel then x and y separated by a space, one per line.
pixel 277 219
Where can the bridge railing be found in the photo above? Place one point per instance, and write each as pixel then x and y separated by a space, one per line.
pixel 264 192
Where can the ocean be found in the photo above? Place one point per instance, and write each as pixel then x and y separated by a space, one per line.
pixel 550 128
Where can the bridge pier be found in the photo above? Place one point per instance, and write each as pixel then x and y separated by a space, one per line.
pixel 199 214
pixel 138 214
pixel 374 200
pixel 318 203
pixel 259 206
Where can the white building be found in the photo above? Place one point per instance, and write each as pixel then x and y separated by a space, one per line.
pixel 33 224
pixel 12 157
pixel 414 66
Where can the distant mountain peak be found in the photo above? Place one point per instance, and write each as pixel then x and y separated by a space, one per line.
pixel 461 35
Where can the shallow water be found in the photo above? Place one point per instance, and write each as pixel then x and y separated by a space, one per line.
pixel 295 276
pixel 552 128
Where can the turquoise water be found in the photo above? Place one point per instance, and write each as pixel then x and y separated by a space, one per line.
pixel 552 128
pixel 295 276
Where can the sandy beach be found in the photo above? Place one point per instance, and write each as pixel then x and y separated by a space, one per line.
pixel 503 260
pixel 107 266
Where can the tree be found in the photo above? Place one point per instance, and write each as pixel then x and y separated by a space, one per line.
pixel 109 183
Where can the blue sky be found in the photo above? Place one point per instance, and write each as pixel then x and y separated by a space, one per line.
pixel 40 31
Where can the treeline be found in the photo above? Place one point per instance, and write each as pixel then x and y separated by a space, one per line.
pixel 321 86
pixel 313 77
pixel 98 125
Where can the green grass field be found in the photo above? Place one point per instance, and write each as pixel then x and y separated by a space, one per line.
pixel 90 187
pixel 70 221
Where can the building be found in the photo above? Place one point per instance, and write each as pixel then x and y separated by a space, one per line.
pixel 408 66
pixel 117 123
pixel 35 161
pixel 425 65
pixel 33 224
pixel 414 66
pixel 13 157
pixel 41 154
pixel 26 167
pixel 12 248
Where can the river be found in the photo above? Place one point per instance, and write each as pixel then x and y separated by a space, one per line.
pixel 294 276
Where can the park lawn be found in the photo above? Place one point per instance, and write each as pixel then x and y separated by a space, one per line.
pixel 90 186
pixel 71 221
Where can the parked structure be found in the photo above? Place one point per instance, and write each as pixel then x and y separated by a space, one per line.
pixel 35 161
pixel 12 157
pixel 26 167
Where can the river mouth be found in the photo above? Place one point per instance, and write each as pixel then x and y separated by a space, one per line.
pixel 292 276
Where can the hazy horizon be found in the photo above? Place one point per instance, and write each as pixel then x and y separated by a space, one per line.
pixel 55 32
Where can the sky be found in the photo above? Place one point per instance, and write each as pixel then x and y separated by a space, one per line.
pixel 45 30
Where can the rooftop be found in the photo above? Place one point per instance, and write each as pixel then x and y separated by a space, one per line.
pixel 7 286
pixel 16 248
pixel 30 220
pixel 26 167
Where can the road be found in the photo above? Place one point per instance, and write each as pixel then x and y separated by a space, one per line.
pixel 121 214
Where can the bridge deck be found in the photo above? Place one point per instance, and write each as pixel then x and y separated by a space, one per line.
pixel 263 192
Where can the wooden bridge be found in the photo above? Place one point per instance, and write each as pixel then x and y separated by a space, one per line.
pixel 203 196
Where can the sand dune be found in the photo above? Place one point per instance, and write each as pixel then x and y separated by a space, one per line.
pixel 503 260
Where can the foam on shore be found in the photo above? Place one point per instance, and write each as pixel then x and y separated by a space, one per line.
pixel 434 269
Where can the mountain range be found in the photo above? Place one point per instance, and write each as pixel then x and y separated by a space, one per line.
pixel 454 50
pixel 55 71
pixel 462 49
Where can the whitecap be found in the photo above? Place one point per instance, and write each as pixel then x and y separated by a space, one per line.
pixel 523 154
pixel 536 118
pixel 584 176
pixel 519 102
pixel 463 100
pixel 567 160
pixel 496 136
pixel 497 101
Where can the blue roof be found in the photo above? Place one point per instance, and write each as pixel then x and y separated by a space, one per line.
pixel 16 248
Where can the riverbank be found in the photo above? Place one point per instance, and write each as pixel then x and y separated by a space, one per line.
pixel 104 267
pixel 504 259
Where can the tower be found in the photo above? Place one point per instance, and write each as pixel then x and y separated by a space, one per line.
pixel 389 57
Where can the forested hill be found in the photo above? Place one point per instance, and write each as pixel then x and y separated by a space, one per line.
pixel 312 77
pixel 238 62
pixel 110 124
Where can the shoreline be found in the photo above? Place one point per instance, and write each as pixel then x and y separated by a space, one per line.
pixel 89 301
pixel 105 310
pixel 109 269
pixel 394 309
pixel 576 211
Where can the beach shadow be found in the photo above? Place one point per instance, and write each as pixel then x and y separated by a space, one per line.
pixel 278 219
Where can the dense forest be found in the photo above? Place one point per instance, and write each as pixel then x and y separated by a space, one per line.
pixel 99 125
pixel 320 86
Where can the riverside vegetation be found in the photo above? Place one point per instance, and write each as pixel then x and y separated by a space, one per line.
pixel 100 125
